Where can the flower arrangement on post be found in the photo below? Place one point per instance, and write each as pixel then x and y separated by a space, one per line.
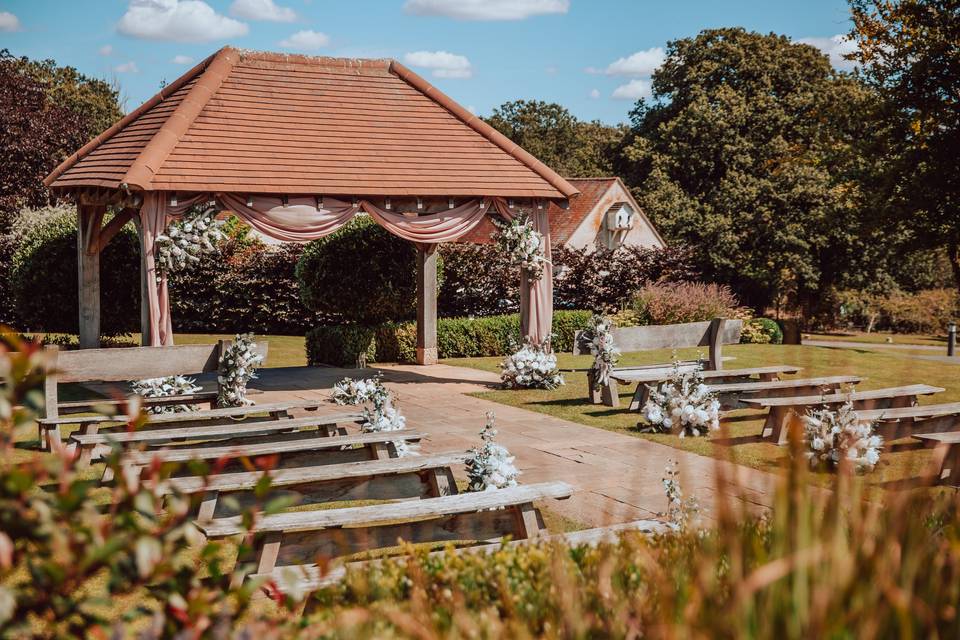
pixel 834 435
pixel 238 366
pixel 163 388
pixel 382 415
pixel 182 243
pixel 490 465
pixel 524 245
pixel 532 367
pixel 682 405
pixel 605 353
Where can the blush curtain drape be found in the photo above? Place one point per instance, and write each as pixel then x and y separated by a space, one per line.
pixel 305 219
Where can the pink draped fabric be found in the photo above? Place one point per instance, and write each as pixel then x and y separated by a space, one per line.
pixel 306 219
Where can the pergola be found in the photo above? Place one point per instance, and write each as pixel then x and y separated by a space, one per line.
pixel 296 146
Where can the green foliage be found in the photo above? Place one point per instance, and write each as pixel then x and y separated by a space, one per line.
pixel 684 302
pixel 761 331
pixel 360 274
pixel 43 279
pixel 922 312
pixel 341 345
pixel 572 148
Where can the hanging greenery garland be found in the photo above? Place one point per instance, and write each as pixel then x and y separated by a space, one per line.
pixel 186 239
pixel 524 245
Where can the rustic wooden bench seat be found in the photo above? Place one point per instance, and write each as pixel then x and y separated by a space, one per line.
pixel 734 394
pixel 274 410
pixel 296 537
pixel 658 376
pixel 123 366
pixel 305 578
pixel 712 334
pixel 948 451
pixel 786 411
pixel 93 444
pixel 901 422
pixel 389 479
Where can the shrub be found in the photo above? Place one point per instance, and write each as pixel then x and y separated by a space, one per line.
pixel 761 331
pixel 341 345
pixel 360 274
pixel 44 279
pixel 922 312
pixel 685 302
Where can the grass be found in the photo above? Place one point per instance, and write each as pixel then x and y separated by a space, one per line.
pixel 739 428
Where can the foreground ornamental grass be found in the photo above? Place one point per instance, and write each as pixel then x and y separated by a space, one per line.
pixel 821 564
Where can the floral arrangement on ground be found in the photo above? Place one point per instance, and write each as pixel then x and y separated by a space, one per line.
pixel 683 405
pixel 833 436
pixel 532 367
pixel 490 465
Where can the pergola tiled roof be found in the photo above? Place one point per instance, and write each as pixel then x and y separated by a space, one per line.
pixel 256 122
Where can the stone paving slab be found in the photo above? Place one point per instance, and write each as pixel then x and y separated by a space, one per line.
pixel 617 476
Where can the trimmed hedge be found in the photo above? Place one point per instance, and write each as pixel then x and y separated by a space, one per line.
pixel 345 345
pixel 761 331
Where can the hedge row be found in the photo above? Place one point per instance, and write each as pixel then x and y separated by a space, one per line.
pixel 348 345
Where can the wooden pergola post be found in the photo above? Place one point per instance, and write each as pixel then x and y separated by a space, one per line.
pixel 89 218
pixel 427 304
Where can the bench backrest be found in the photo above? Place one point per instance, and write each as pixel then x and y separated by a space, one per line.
pixel 711 333
pixel 126 364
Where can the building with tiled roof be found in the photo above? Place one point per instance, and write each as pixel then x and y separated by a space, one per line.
pixel 605 214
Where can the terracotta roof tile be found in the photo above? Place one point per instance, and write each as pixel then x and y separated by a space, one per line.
pixel 257 122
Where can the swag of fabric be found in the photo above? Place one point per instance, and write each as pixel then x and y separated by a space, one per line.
pixel 306 219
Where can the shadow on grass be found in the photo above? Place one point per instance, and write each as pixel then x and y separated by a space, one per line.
pixel 734 441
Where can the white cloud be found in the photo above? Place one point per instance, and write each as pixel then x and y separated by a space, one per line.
pixel 306 41
pixel 106 50
pixel 9 22
pixel 181 59
pixel 179 21
pixel 633 90
pixel 127 67
pixel 641 63
pixel 442 64
pixel 262 10
pixel 594 93
pixel 836 47
pixel 486 9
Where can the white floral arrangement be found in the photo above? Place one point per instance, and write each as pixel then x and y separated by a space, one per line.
pixel 490 465
pixel 165 387
pixel 354 391
pixel 524 245
pixel 605 353
pixel 832 435
pixel 532 367
pixel 682 405
pixel 382 415
pixel 185 240
pixel 238 366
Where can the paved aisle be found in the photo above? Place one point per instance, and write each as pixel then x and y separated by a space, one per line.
pixel 617 476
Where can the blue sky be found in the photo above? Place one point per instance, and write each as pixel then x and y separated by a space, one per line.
pixel 593 56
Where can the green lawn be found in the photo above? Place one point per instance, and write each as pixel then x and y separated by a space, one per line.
pixel 739 427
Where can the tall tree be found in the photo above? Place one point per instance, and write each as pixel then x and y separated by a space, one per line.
pixel 571 147
pixel 909 51
pixel 46 113
pixel 749 155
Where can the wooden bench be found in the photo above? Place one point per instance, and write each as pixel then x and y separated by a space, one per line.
pixel 92 445
pixel 786 412
pixel 228 415
pixel 305 578
pixel 286 451
pixel 660 376
pixel 731 394
pixel 901 422
pixel 389 479
pixel 712 334
pixel 124 365
pixel 295 537
pixel 948 452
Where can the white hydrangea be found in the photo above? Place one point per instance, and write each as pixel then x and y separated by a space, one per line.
pixel 524 245
pixel 682 405
pixel 382 415
pixel 238 365
pixel 532 367
pixel 605 353
pixel 832 435
pixel 185 240
pixel 490 466
pixel 354 391
pixel 165 387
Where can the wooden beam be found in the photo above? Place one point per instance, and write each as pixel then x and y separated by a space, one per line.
pixel 88 273
pixel 427 304
pixel 112 228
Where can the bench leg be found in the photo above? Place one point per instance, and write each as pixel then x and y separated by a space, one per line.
pixel 49 436
pixel 949 469
pixel 207 506
pixel 769 377
pixel 609 394
pixel 528 522
pixel 441 482
pixel 379 451
pixel 593 394
pixel 640 397
pixel 776 423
